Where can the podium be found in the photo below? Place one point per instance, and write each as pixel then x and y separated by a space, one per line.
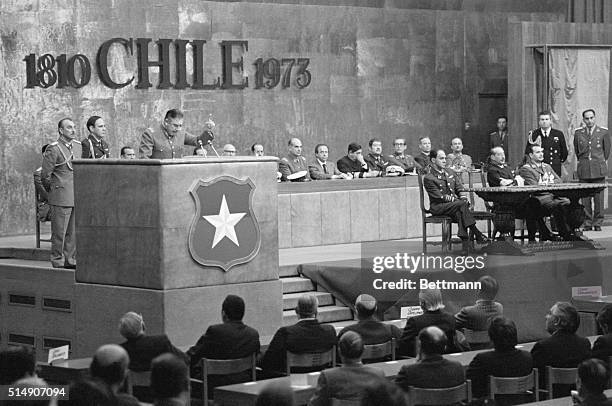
pixel 170 239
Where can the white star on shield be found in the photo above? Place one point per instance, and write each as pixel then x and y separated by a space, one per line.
pixel 224 224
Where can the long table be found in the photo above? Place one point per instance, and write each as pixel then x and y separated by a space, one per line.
pixel 508 198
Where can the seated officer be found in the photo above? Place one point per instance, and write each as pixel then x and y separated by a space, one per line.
pixel 445 196
pixel 294 162
pixel 534 170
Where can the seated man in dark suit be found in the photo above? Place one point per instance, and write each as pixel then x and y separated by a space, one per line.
pixel 602 348
pixel 563 349
pixel 307 335
pixel 348 381
pixel 534 170
pixel 143 348
pixel 430 301
pixel 371 330
pixel 431 370
pixel 477 318
pixel 169 381
pixel 354 164
pixel 504 361
pixel 228 340
pixel 109 365
pixel 16 362
pixel 593 379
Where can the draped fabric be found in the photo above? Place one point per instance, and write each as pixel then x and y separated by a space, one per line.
pixel 578 80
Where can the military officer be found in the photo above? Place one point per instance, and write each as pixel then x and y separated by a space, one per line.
pixel 57 178
pixel 407 161
pixel 446 197
pixel 592 148
pixel 552 141
pixel 294 161
pixel 499 137
pixel 457 160
pixel 167 142
pixel 94 146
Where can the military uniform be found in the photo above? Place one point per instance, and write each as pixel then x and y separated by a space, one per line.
pixel 444 189
pixel 57 178
pixel 553 144
pixel 549 203
pixel 497 139
pixel 161 145
pixel 94 148
pixel 292 164
pixel 423 160
pixel 377 163
pixel 407 162
pixel 459 162
pixel 592 151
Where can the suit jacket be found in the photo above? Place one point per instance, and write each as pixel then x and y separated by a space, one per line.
pixel 592 152
pixel 346 165
pixel 345 383
pixel 432 372
pixel 478 317
pixel 373 331
pixel 144 348
pixel 496 172
pixel 602 348
pixel 422 159
pixel 555 148
pixel 91 148
pixel 160 145
pixel 305 336
pixel 292 164
pixel 317 172
pixel 507 364
pixel 496 140
pixel 445 321
pixel 229 340
pixel 57 172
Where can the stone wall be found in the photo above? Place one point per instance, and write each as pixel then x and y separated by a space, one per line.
pixel 379 69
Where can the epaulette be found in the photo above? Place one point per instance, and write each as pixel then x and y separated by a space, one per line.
pixel 53 143
pixel 603 128
pixel 284 159
pixel 77 141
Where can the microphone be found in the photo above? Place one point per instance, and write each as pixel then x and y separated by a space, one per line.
pixel 208 138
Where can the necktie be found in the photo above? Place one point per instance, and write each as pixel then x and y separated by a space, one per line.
pixel 325 168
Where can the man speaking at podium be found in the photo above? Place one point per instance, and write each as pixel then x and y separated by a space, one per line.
pixel 168 141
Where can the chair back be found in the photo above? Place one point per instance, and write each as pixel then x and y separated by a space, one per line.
pixel 313 360
pixel 442 396
pixel 424 210
pixel 515 385
pixel 476 336
pixel 345 402
pixel 225 367
pixel 378 351
pixel 561 376
pixel 134 378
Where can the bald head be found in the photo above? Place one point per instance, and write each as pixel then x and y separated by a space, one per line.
pixel 433 340
pixel 110 363
pixel 365 305
pixel 350 346
pixel 295 146
pixel 307 306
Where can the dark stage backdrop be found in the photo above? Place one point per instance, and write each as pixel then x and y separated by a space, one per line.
pixel 379 69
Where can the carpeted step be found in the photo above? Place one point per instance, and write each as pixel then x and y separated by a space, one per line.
pixel 290 299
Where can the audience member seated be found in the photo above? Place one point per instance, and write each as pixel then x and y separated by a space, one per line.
pixel 354 163
pixel 348 381
pixel 229 340
pixel 447 198
pixel 478 317
pixel 371 330
pixel 140 347
pixel 422 157
pixel 257 149
pixel 322 169
pixel 128 153
pixel 16 362
pixel 88 393
pixel 406 161
pixel 229 150
pixel 27 385
pixel 430 301
pixel 383 393
pixel 602 348
pixel 293 162
pixel 110 366
pixel 276 394
pixel 307 335
pixel 563 349
pixel 431 369
pixel 457 161
pixel 593 379
pixel 533 171
pixel 169 381
pixel 504 361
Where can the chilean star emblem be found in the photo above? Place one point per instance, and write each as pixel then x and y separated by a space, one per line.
pixel 224 231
